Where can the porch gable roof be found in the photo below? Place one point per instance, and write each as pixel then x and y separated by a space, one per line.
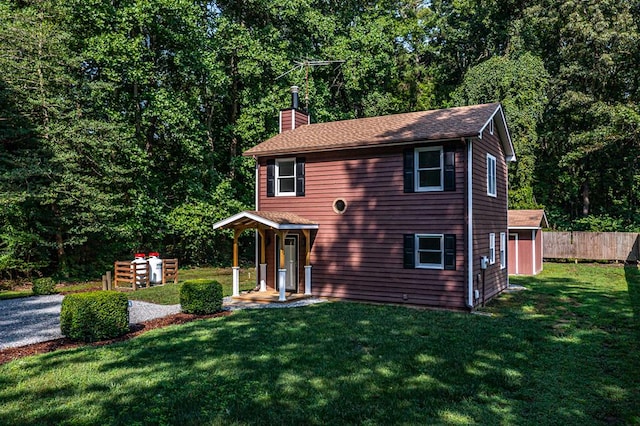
pixel 269 219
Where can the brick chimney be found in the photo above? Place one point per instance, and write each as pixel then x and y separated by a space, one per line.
pixel 293 117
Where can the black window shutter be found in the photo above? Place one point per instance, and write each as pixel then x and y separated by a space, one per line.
pixel 271 178
pixel 409 252
pixel 449 169
pixel 450 252
pixel 409 185
pixel 299 177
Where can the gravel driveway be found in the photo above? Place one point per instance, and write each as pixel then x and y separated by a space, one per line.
pixel 37 319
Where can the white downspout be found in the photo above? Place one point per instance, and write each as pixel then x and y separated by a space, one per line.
pixel 470 224
pixel 256 234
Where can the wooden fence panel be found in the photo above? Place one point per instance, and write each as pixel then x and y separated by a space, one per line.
pixel 592 245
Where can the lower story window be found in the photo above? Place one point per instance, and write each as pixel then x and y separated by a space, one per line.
pixel 430 251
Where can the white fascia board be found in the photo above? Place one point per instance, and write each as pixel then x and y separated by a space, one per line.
pixel 524 227
pixel 290 227
pixel 243 215
pixel 503 132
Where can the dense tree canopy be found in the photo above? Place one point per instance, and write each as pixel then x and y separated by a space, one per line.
pixel 122 123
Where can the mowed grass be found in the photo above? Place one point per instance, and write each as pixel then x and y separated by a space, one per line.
pixel 168 294
pixel 565 351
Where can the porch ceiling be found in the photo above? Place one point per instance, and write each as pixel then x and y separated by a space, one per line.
pixel 269 219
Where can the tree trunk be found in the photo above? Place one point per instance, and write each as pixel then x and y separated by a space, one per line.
pixel 585 199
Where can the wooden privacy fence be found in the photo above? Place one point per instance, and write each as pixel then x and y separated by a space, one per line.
pixel 592 245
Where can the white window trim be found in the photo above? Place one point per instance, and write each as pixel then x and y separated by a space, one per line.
pixel 277 178
pixel 503 250
pixel 417 252
pixel 492 248
pixel 491 176
pixel 416 170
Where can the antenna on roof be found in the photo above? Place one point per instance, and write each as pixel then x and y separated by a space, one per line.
pixel 306 64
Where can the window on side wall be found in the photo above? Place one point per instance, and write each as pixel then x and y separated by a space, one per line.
pixel 285 177
pixel 492 248
pixel 503 250
pixel 491 176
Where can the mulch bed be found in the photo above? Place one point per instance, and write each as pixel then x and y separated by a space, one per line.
pixel 11 354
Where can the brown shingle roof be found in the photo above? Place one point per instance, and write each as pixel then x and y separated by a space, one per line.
pixel 527 219
pixel 451 123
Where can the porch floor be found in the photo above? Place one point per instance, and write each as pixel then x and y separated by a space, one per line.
pixel 268 296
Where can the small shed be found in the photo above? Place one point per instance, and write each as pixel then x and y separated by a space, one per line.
pixel 525 241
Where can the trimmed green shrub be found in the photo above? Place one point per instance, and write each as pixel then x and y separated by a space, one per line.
pixel 201 297
pixel 43 286
pixel 95 315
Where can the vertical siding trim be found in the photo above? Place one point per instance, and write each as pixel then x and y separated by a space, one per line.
pixel 533 252
pixel 470 223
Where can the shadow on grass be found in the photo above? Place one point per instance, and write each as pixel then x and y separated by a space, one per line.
pixel 632 276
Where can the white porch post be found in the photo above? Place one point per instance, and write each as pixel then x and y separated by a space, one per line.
pixel 236 281
pixel 282 279
pixel 263 277
pixel 307 280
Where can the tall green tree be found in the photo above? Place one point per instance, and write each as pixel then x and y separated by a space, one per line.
pixel 587 164
pixel 520 83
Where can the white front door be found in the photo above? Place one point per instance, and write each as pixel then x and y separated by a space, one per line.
pixel 290 262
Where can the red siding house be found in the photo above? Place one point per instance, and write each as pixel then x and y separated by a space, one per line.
pixel 525 241
pixel 406 208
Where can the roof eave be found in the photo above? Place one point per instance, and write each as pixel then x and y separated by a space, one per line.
pixel 503 132
pixel 250 153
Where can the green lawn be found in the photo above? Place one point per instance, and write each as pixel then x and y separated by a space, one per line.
pixel 566 351
pixel 168 294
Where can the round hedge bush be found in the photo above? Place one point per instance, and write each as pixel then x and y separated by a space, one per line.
pixel 42 286
pixel 201 297
pixel 94 316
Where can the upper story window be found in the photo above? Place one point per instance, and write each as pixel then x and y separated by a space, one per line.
pixel 285 177
pixel 491 176
pixel 429 169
